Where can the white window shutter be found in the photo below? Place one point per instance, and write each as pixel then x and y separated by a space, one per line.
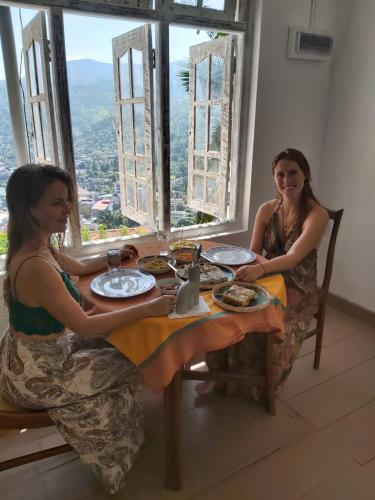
pixel 132 63
pixel 39 90
pixel 210 105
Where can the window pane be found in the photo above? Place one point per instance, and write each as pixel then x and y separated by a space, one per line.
pixel 129 167
pixel 199 162
pixel 127 128
pixel 139 122
pixel 215 128
pixel 142 198
pixel 124 76
pixel 141 169
pixel 213 165
pixel 45 130
pixel 137 73
pixel 200 128
pixel 39 72
pixel 130 194
pixel 186 2
pixel 212 190
pixel 38 131
pixel 214 4
pixel 198 187
pixel 216 88
pixel 30 57
pixel 201 74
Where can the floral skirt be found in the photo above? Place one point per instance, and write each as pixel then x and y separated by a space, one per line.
pixel 91 392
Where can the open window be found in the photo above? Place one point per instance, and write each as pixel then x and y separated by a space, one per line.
pixel 214 9
pixel 39 90
pixel 210 104
pixel 132 63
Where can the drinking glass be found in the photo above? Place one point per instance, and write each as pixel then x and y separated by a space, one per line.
pixel 163 242
pixel 114 259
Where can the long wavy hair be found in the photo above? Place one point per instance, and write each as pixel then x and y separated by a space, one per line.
pixel 307 192
pixel 26 186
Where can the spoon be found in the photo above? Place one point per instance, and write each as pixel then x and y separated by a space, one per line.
pixel 172 267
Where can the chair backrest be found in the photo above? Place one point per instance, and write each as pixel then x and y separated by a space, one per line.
pixel 336 216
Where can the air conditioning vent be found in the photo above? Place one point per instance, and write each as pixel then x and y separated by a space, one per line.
pixel 303 44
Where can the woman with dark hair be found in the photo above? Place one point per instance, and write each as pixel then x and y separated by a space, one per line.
pixel 90 390
pixel 288 229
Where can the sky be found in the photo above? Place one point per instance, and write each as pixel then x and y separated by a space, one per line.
pixel 89 37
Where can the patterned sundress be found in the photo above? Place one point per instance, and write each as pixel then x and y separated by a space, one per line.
pixel 90 390
pixel 248 356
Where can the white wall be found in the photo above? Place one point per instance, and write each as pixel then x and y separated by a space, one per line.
pixel 348 161
pixel 322 108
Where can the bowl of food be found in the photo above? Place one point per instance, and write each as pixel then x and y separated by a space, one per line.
pixel 183 255
pixel 168 286
pixel 182 244
pixel 156 264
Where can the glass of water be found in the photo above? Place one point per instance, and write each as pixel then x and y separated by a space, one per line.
pixel 114 259
pixel 163 242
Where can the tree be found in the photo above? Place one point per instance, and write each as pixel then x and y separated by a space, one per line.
pixel 102 230
pixel 85 234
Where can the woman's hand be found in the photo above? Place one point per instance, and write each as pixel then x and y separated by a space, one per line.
pixel 249 273
pixel 161 306
pixel 128 251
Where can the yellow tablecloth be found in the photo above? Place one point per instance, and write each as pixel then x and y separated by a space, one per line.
pixel 160 346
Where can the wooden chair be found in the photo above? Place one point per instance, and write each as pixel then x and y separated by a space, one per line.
pixel 15 418
pixel 336 216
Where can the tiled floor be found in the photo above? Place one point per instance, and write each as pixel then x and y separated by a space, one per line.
pixel 320 446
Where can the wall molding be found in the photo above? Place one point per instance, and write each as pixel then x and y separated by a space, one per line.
pixel 348 307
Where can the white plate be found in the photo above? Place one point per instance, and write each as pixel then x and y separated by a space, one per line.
pixel 229 255
pixel 123 283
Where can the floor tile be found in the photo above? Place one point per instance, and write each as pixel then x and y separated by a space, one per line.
pixel 16 443
pixel 284 475
pixel 334 333
pixel 217 457
pixel 353 482
pixel 337 397
pixel 336 359
pixel 355 434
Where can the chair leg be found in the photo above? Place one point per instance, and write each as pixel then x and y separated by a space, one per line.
pixel 318 348
pixel 223 386
pixel 33 457
pixel 172 430
pixel 269 375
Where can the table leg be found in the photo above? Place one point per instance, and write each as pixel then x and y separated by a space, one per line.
pixel 172 432
pixel 269 376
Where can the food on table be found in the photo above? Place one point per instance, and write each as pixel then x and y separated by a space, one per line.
pixel 182 244
pixel 155 264
pixel 168 287
pixel 239 296
pixel 183 255
pixel 209 274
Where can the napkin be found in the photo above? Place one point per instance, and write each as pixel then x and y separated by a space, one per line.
pixel 199 310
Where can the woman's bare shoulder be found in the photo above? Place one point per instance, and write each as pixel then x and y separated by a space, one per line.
pixel 268 208
pixel 317 211
pixel 30 261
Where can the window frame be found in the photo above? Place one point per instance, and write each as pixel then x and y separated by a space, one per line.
pixel 163 18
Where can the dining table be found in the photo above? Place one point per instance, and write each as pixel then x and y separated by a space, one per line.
pixel 162 347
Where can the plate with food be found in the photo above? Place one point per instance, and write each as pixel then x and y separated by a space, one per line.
pixel 210 274
pixel 241 297
pixel 169 286
pixel 156 264
pixel 229 255
pixel 184 255
pixel 122 283
pixel 182 244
